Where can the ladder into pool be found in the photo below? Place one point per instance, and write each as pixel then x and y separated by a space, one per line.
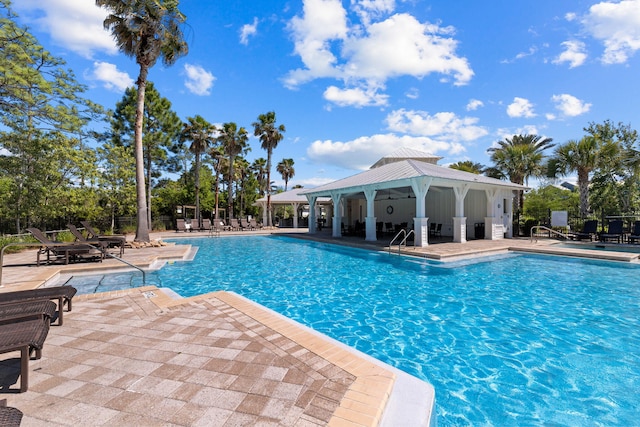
pixel 403 242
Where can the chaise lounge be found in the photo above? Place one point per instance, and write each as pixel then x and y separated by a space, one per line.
pixel 67 252
pixel 635 233
pixel 113 241
pixel 613 233
pixel 61 294
pixel 589 230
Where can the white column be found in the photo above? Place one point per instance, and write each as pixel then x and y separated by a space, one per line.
pixel 459 220
pixel 263 205
pixel 295 214
pixel 420 187
pixel 492 225
pixel 370 219
pixel 337 214
pixel 312 213
pixel 508 201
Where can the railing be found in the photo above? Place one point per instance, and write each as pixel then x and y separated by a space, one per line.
pixel 542 227
pixel 403 241
pixel 104 251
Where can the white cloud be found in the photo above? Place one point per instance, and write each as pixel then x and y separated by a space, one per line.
pixel 76 25
pixel 570 16
pixel 573 54
pixel 569 105
pixel 617 25
pixel 199 81
pixel 444 125
pixel 111 77
pixel 248 30
pixel 520 107
pixel 356 97
pixel 474 104
pixel 366 54
pixel 361 153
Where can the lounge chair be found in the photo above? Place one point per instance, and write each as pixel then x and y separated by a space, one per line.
pixel 61 294
pixel 66 252
pixel 613 233
pixel 254 224
pixel 102 244
pixel 25 336
pixel 589 230
pixel 27 309
pixel 181 225
pixel 233 224
pixel 113 241
pixel 635 233
pixel 206 225
pixel 244 225
pixel 9 416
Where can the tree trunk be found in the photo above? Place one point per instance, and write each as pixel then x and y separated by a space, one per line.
pixel 230 188
pixel 583 187
pixel 142 229
pixel 197 185
pixel 269 220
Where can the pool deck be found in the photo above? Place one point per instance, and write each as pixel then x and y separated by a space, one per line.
pixel 141 357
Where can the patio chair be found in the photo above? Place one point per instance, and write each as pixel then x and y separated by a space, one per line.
pixel 113 241
pixel 234 225
pixel 16 311
pixel 56 251
pixel 103 245
pixel 613 233
pixel 255 224
pixel 589 230
pixel 244 225
pixel 61 294
pixel 9 416
pixel 206 225
pixel 26 336
pixel 635 233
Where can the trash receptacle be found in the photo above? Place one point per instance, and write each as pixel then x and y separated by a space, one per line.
pixel 479 230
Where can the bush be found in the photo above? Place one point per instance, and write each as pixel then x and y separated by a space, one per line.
pixel 528 225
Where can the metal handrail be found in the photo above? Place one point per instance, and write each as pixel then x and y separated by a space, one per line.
pixel 144 275
pixel 403 241
pixel 542 227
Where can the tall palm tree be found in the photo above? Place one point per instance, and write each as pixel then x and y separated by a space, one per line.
pixel 259 168
pixel 234 141
pixel 285 167
pixel 145 30
pixel 201 133
pixel 270 135
pixel 580 157
pixel 520 158
pixel 216 155
pixel 468 166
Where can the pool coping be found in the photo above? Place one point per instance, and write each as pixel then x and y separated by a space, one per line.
pixel 381 395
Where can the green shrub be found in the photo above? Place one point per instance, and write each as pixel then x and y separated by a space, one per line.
pixel 528 225
pixel 128 229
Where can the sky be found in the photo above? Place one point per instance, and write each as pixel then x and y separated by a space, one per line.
pixel 354 80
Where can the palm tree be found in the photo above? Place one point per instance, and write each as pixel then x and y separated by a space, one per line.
pixel 580 157
pixel 285 167
pixel 216 155
pixel 145 30
pixel 201 134
pixel 259 167
pixel 468 166
pixel 270 135
pixel 520 158
pixel 234 141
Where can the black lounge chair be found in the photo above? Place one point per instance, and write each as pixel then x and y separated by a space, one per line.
pixel 62 294
pixel 635 233
pixel 26 336
pixel 56 251
pixel 589 230
pixel 112 241
pixel 613 233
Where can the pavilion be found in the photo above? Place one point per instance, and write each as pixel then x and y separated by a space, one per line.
pixel 409 187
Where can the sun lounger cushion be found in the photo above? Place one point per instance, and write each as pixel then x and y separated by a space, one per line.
pixel 10 417
pixel 16 311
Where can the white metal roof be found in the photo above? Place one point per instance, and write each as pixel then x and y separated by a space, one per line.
pixel 404 153
pixel 286 197
pixel 400 173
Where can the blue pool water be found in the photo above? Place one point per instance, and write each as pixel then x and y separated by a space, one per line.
pixel 520 340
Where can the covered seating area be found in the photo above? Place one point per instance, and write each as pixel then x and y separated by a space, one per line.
pixel 409 187
pixel 300 206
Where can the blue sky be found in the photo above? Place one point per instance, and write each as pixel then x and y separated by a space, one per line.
pixel 354 80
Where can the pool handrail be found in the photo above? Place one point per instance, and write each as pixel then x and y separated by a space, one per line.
pixel 550 230
pixel 403 241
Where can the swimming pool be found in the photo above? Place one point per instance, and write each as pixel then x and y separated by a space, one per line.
pixel 520 340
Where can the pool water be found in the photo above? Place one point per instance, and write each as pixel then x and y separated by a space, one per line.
pixel 518 340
